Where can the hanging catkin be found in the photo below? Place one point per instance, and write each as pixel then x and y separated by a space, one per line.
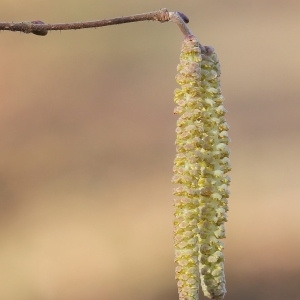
pixel 200 169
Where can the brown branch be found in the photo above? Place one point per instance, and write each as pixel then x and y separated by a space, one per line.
pixel 40 28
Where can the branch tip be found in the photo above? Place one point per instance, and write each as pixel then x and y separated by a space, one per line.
pixel 183 17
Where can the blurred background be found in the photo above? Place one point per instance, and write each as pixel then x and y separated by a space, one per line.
pixel 87 147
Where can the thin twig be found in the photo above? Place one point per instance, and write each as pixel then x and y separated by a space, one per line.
pixel 179 19
pixel 40 28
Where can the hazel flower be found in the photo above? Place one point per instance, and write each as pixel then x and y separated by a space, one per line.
pixel 212 261
pixel 186 169
pixel 200 169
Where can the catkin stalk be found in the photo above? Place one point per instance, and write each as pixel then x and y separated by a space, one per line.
pixel 200 169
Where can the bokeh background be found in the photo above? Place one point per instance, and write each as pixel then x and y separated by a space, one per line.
pixel 87 146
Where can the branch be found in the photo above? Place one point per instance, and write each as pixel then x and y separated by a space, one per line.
pixel 40 28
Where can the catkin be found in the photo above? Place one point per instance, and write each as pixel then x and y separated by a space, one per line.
pixel 200 168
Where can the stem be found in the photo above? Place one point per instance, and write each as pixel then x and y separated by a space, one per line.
pixel 40 28
pixel 180 19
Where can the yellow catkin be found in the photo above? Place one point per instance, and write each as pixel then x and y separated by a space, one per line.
pixel 200 169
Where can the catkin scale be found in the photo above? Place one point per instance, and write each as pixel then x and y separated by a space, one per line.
pixel 200 168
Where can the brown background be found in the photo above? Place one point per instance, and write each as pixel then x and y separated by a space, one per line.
pixel 87 146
